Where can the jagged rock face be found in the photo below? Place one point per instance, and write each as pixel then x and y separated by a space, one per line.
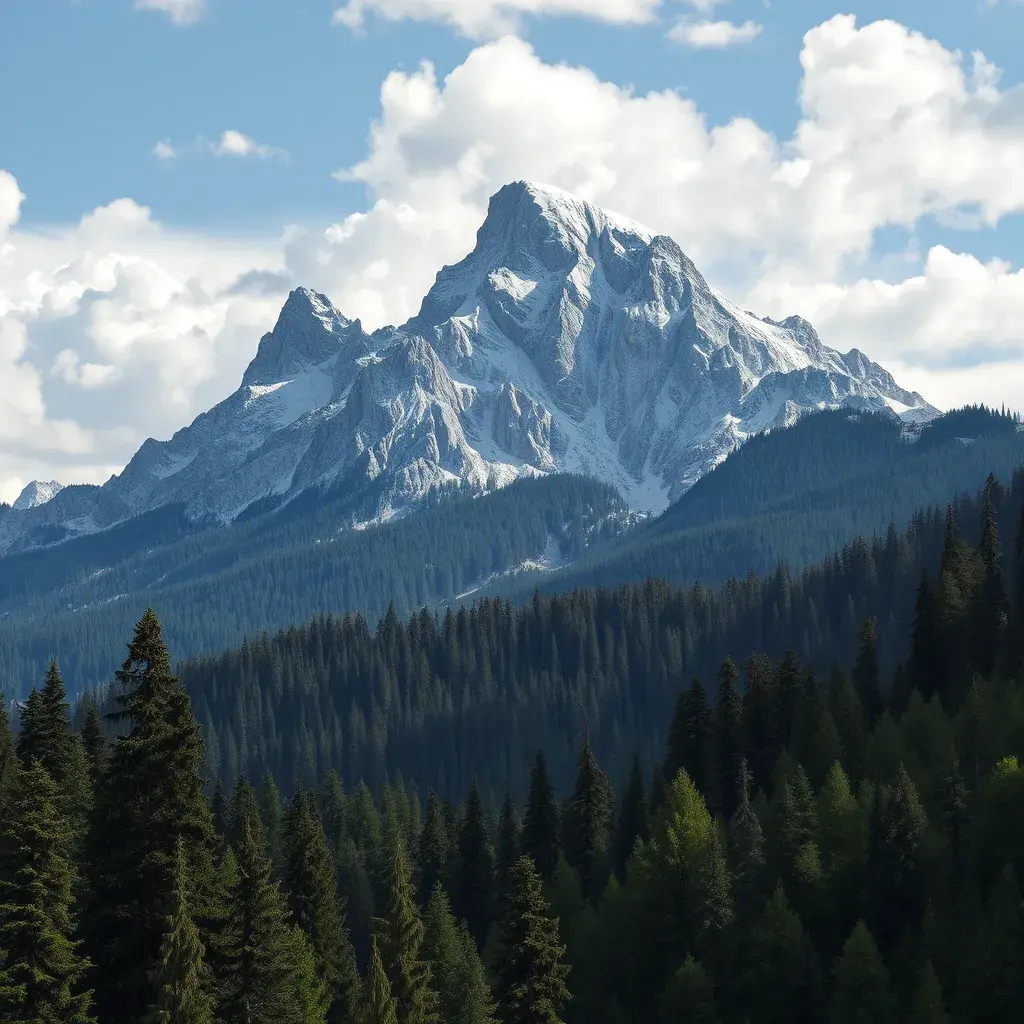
pixel 569 339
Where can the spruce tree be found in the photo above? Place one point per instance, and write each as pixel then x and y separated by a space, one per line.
pixel 530 972
pixel 996 986
pixel 730 742
pixel 691 740
pixel 8 755
pixel 991 611
pixel 46 729
pixel 928 1007
pixel 507 852
pixel 150 795
pixel 926 668
pixel 746 856
pixel 316 907
pixel 262 968
pixel 860 993
pixel 378 1004
pixel 760 713
pixel 473 881
pixel 182 979
pixel 43 964
pixel 689 996
pixel 633 822
pixel 541 835
pixel 588 824
pixel 94 740
pixel 399 935
pixel 866 673
pixel 435 849
pixel 456 968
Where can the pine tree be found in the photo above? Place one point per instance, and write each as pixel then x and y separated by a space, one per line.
pixel 150 795
pixel 316 907
pixel 507 852
pixel 530 971
pixel 760 714
pixel 689 996
pixel 730 742
pixel 588 824
pixel 435 848
pixel 746 856
pixel 399 935
pixel 866 674
pixel 378 1003
pixel 270 814
pixel 691 740
pixel 927 668
pixel 928 1007
pixel 94 740
pixel 861 991
pixel 992 608
pixel 541 836
pixel 182 978
pixel 473 881
pixel 262 970
pixel 633 822
pixel 46 729
pixel 456 967
pixel 44 967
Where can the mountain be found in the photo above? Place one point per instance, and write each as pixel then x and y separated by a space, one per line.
pixel 37 493
pixel 569 340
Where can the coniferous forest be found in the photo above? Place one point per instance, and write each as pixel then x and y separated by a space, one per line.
pixel 832 832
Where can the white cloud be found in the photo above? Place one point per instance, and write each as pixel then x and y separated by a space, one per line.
pixel 118 328
pixel 181 12
pixel 492 18
pixel 234 143
pixel 163 150
pixel 713 35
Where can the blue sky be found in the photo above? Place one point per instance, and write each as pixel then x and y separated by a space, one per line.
pixel 860 173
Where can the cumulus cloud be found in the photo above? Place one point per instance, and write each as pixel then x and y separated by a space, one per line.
pixel 163 150
pixel 492 18
pixel 713 35
pixel 124 328
pixel 234 143
pixel 181 12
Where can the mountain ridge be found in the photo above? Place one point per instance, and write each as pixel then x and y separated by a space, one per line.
pixel 569 339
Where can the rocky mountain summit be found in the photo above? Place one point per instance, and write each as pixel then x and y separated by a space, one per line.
pixel 569 339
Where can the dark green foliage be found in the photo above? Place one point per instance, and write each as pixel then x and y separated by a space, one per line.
pixel 861 984
pixel 530 972
pixel 46 729
pixel 588 821
pixel 8 755
pixel 730 741
pixel 541 835
pixel 149 797
pixel 867 674
pixel 746 854
pixel 928 1006
pixel 182 978
pixel 456 968
pixel 507 851
pixel 689 997
pixel 399 936
pixel 691 738
pixel 316 907
pixel 378 1004
pixel 261 976
pixel 43 964
pixel 436 849
pixel 633 822
pixel 473 877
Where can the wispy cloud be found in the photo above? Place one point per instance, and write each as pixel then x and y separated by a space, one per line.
pixel 181 12
pixel 713 35
pixel 234 143
pixel 163 150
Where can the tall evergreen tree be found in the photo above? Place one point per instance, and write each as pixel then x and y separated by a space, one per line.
pixel 46 729
pixel 44 966
pixel 182 979
pixel 866 673
pixel 746 855
pixel 262 971
pixel 730 742
pixel 399 935
pixel 633 822
pixel 861 991
pixel 435 849
pixel 689 996
pixel 760 711
pixel 150 795
pixel 691 739
pixel 541 835
pixel 530 972
pixel 927 666
pixel 588 824
pixel 507 851
pixel 316 907
pixel 473 881
pixel 928 1007
pixel 8 755
pixel 991 612
pixel 379 1005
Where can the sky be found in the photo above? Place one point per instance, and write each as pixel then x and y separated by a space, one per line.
pixel 169 169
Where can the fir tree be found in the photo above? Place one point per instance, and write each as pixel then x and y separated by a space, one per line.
pixel 991 606
pixel 927 668
pixel 996 989
pixel 399 935
pixel 94 740
pixel 530 972
pixel 746 855
pixel 730 742
pixel 435 848
pixel 689 996
pixel 690 739
pixel 760 713
pixel 8 756
pixel 866 673
pixel 262 969
pixel 378 1003
pixel 861 991
pixel 46 729
pixel 473 881
pixel 507 852
pixel 270 814
pixel 43 965
pixel 182 978
pixel 150 795
pixel 632 822
pixel 456 967
pixel 316 907
pixel 588 824
pixel 928 1007
pixel 541 835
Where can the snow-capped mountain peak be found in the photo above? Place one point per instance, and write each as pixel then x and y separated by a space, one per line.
pixel 37 493
pixel 569 339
